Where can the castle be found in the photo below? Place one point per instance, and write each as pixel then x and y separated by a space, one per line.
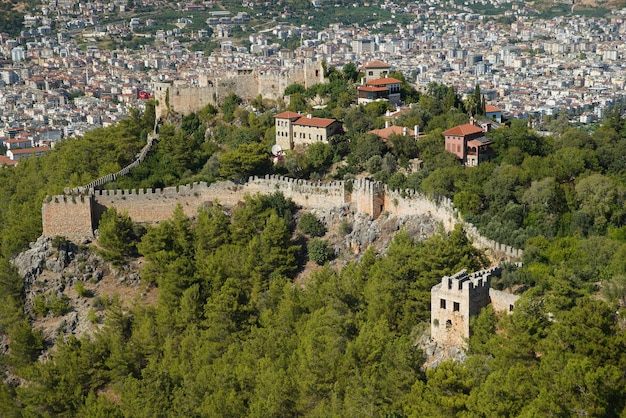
pixel 75 215
pixel 184 97
pixel 458 298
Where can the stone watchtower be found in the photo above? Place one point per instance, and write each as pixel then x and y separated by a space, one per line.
pixel 454 301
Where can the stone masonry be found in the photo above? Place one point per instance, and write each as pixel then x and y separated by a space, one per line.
pixel 212 88
pixel 458 298
pixel 75 216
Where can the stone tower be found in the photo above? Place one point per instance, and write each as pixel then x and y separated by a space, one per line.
pixel 454 301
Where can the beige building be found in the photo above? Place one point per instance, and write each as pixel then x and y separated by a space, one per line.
pixel 293 129
pixel 375 69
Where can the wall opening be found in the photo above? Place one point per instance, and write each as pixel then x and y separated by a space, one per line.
pixel 448 324
pixel 442 303
pixel 456 306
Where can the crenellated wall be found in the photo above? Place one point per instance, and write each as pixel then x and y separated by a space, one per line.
pixel 409 201
pixel 74 215
pixel 309 195
pixel 152 206
pixel 455 300
pixel 69 216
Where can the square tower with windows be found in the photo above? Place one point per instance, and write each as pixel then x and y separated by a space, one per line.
pixel 454 301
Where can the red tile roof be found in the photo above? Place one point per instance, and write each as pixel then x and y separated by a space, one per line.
pixel 478 142
pixel 4 160
pixel 462 130
pixel 315 122
pixel 288 115
pixel 490 109
pixel 383 81
pixel 385 133
pixel 31 150
pixel 372 88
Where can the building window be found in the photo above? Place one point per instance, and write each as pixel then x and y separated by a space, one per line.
pixel 510 308
pixel 448 324
pixel 442 303
pixel 456 306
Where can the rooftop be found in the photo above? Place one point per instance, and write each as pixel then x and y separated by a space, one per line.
pixel 315 122
pixel 288 115
pixel 462 130
pixel 383 81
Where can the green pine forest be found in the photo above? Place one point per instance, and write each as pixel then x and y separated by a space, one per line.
pixel 233 333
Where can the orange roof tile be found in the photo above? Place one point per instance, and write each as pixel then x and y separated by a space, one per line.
pixel 4 160
pixel 479 142
pixel 372 88
pixel 385 133
pixel 288 115
pixel 466 129
pixel 316 122
pixel 489 108
pixel 30 150
pixel 383 81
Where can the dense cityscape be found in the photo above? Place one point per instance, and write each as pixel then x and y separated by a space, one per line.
pixel 64 75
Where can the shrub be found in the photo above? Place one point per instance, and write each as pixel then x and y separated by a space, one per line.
pixel 58 305
pixel 39 305
pixel 92 316
pixel 319 252
pixel 310 225
pixel 80 289
pixel 345 228
pixel 116 236
pixel 59 242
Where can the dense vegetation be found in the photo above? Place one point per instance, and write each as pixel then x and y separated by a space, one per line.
pixel 232 334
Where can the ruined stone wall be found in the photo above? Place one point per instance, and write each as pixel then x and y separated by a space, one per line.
pixel 245 86
pixel 365 197
pixel 454 301
pixel 309 195
pixel 75 216
pixel 498 249
pixel 152 206
pixel 502 302
pixel 272 83
pixel 409 202
pixel 68 216
pixel 368 197
pixel 214 87
pixel 187 99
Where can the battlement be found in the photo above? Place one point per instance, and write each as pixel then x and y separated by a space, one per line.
pixel 476 281
pixel 459 297
pixel 155 205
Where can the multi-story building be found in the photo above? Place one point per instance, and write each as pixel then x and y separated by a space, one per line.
pixel 468 143
pixel 375 69
pixel 293 129
pixel 387 89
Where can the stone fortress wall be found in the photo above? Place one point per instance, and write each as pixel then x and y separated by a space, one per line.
pixel 75 216
pixel 214 87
